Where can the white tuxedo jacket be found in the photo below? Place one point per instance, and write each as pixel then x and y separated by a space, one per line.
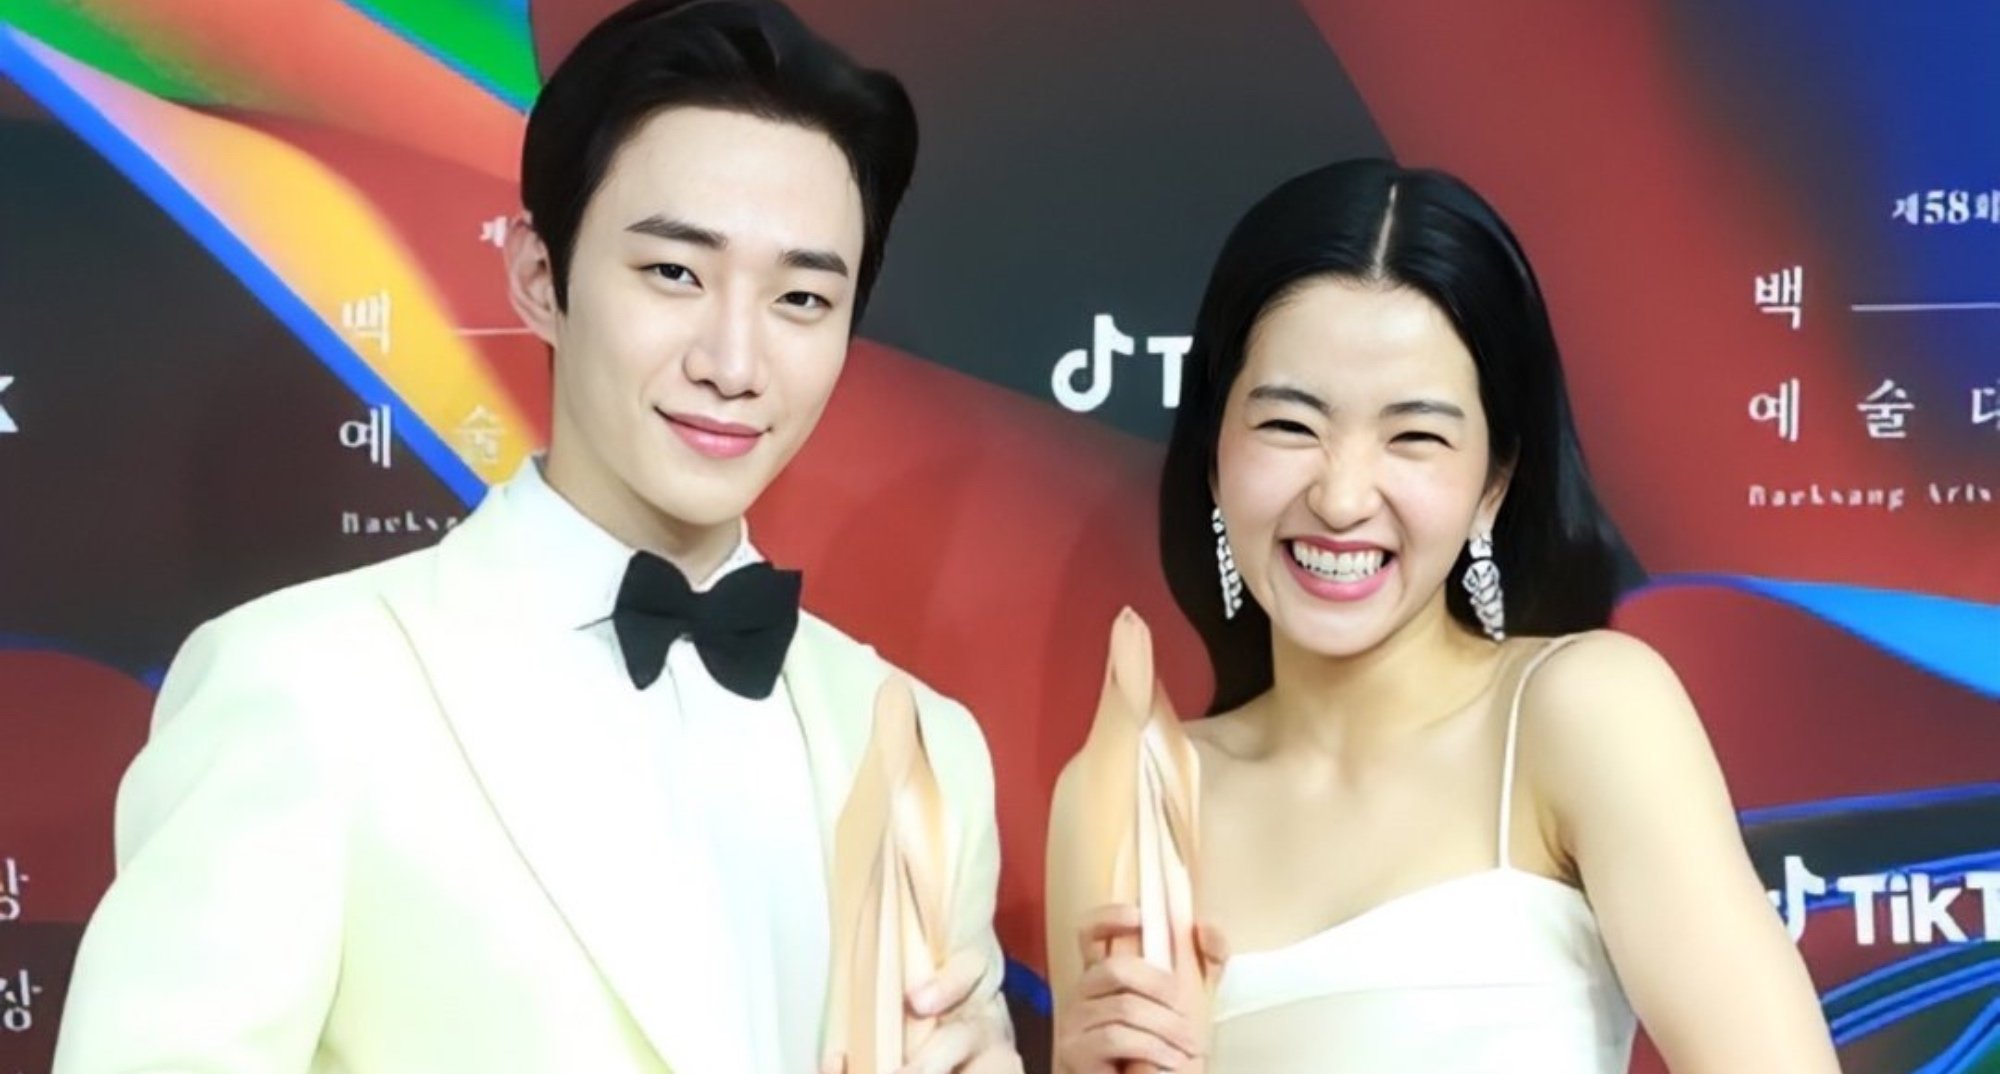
pixel 380 829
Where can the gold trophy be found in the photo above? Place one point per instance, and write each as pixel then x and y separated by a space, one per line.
pixel 1123 830
pixel 891 889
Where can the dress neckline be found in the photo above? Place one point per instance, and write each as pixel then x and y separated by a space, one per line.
pixel 1497 872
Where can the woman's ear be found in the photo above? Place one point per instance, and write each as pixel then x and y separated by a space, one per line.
pixel 1495 495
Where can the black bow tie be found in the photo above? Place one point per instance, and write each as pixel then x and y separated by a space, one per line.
pixel 742 627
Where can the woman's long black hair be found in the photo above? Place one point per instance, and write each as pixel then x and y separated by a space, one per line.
pixel 1561 560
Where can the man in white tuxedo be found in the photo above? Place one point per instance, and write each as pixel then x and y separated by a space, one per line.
pixel 558 794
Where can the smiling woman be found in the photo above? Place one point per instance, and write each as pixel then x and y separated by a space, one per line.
pixel 1365 263
pixel 1363 395
pixel 1439 817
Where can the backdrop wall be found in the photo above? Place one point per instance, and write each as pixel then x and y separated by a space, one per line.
pixel 252 330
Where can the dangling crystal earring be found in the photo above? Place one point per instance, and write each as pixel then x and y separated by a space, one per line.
pixel 1482 584
pixel 1225 564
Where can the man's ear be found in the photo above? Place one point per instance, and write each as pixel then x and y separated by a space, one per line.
pixel 531 282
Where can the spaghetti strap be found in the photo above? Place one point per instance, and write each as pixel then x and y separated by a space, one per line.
pixel 1513 735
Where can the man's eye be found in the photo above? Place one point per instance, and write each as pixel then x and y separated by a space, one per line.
pixel 673 273
pixel 805 300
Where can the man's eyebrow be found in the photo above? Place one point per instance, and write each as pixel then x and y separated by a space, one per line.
pixel 816 260
pixel 676 230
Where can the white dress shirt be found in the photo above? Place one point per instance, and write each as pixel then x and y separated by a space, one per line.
pixel 737 772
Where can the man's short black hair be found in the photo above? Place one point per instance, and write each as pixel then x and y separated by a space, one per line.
pixel 748 56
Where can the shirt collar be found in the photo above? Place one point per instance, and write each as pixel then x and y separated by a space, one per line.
pixel 582 565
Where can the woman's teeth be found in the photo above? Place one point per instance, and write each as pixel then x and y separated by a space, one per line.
pixel 1337 566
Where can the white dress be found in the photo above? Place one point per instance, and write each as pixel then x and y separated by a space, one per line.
pixel 1499 971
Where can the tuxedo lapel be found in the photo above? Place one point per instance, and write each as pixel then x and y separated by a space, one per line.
pixel 833 693
pixel 574 774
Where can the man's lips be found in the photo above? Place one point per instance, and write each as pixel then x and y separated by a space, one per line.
pixel 713 437
pixel 711 425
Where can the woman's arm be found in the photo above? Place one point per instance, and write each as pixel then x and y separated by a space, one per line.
pixel 1629 791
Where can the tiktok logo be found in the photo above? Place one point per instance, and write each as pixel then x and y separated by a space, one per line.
pixel 1093 366
pixel 1919 907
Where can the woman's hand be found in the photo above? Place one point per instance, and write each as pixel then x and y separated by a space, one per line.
pixel 1127 1010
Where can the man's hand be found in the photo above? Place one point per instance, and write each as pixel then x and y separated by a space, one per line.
pixel 971 1036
